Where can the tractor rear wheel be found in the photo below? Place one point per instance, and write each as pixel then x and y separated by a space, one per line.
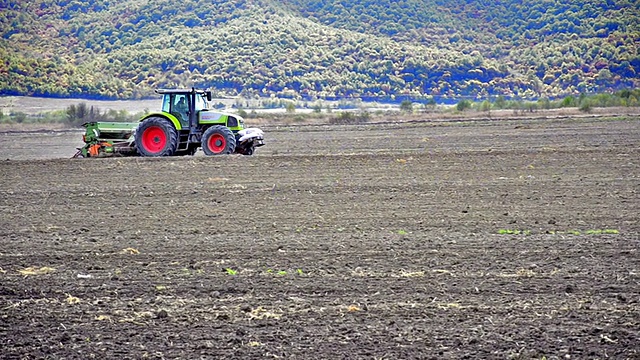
pixel 218 140
pixel 156 136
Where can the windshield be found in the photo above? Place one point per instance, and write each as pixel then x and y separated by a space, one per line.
pixel 201 102
pixel 166 102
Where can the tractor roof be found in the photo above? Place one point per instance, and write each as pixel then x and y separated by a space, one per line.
pixel 180 91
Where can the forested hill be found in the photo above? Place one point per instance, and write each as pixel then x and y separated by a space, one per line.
pixel 313 48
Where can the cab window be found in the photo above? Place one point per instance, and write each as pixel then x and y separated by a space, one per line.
pixel 180 107
pixel 180 104
pixel 201 103
pixel 166 103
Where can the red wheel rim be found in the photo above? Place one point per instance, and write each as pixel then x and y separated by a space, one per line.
pixel 217 143
pixel 154 139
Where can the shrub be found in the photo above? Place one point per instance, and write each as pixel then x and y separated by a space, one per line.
pixel 346 118
pixel 406 106
pixel 485 106
pixel 463 105
pixel 586 106
pixel 19 117
pixel 569 101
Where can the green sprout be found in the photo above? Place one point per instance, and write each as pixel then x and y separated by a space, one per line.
pixel 508 232
pixel 602 231
pixel 230 271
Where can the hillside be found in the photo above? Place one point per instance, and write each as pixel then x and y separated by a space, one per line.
pixel 312 48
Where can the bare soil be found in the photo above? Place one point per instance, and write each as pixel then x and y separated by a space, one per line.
pixel 460 239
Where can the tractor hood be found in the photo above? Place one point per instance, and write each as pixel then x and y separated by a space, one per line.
pixel 209 115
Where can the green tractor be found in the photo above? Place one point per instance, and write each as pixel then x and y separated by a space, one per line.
pixel 184 125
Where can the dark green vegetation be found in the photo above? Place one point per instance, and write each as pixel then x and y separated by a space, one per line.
pixel 383 50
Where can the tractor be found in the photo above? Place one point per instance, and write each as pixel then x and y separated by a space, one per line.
pixel 182 126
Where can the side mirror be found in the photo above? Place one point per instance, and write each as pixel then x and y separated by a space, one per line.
pixel 209 96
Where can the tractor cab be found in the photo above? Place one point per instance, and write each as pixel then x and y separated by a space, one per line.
pixel 185 105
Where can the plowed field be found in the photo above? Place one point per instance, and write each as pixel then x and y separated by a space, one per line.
pixel 486 239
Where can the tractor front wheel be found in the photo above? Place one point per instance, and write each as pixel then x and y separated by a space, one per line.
pixel 218 140
pixel 156 136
